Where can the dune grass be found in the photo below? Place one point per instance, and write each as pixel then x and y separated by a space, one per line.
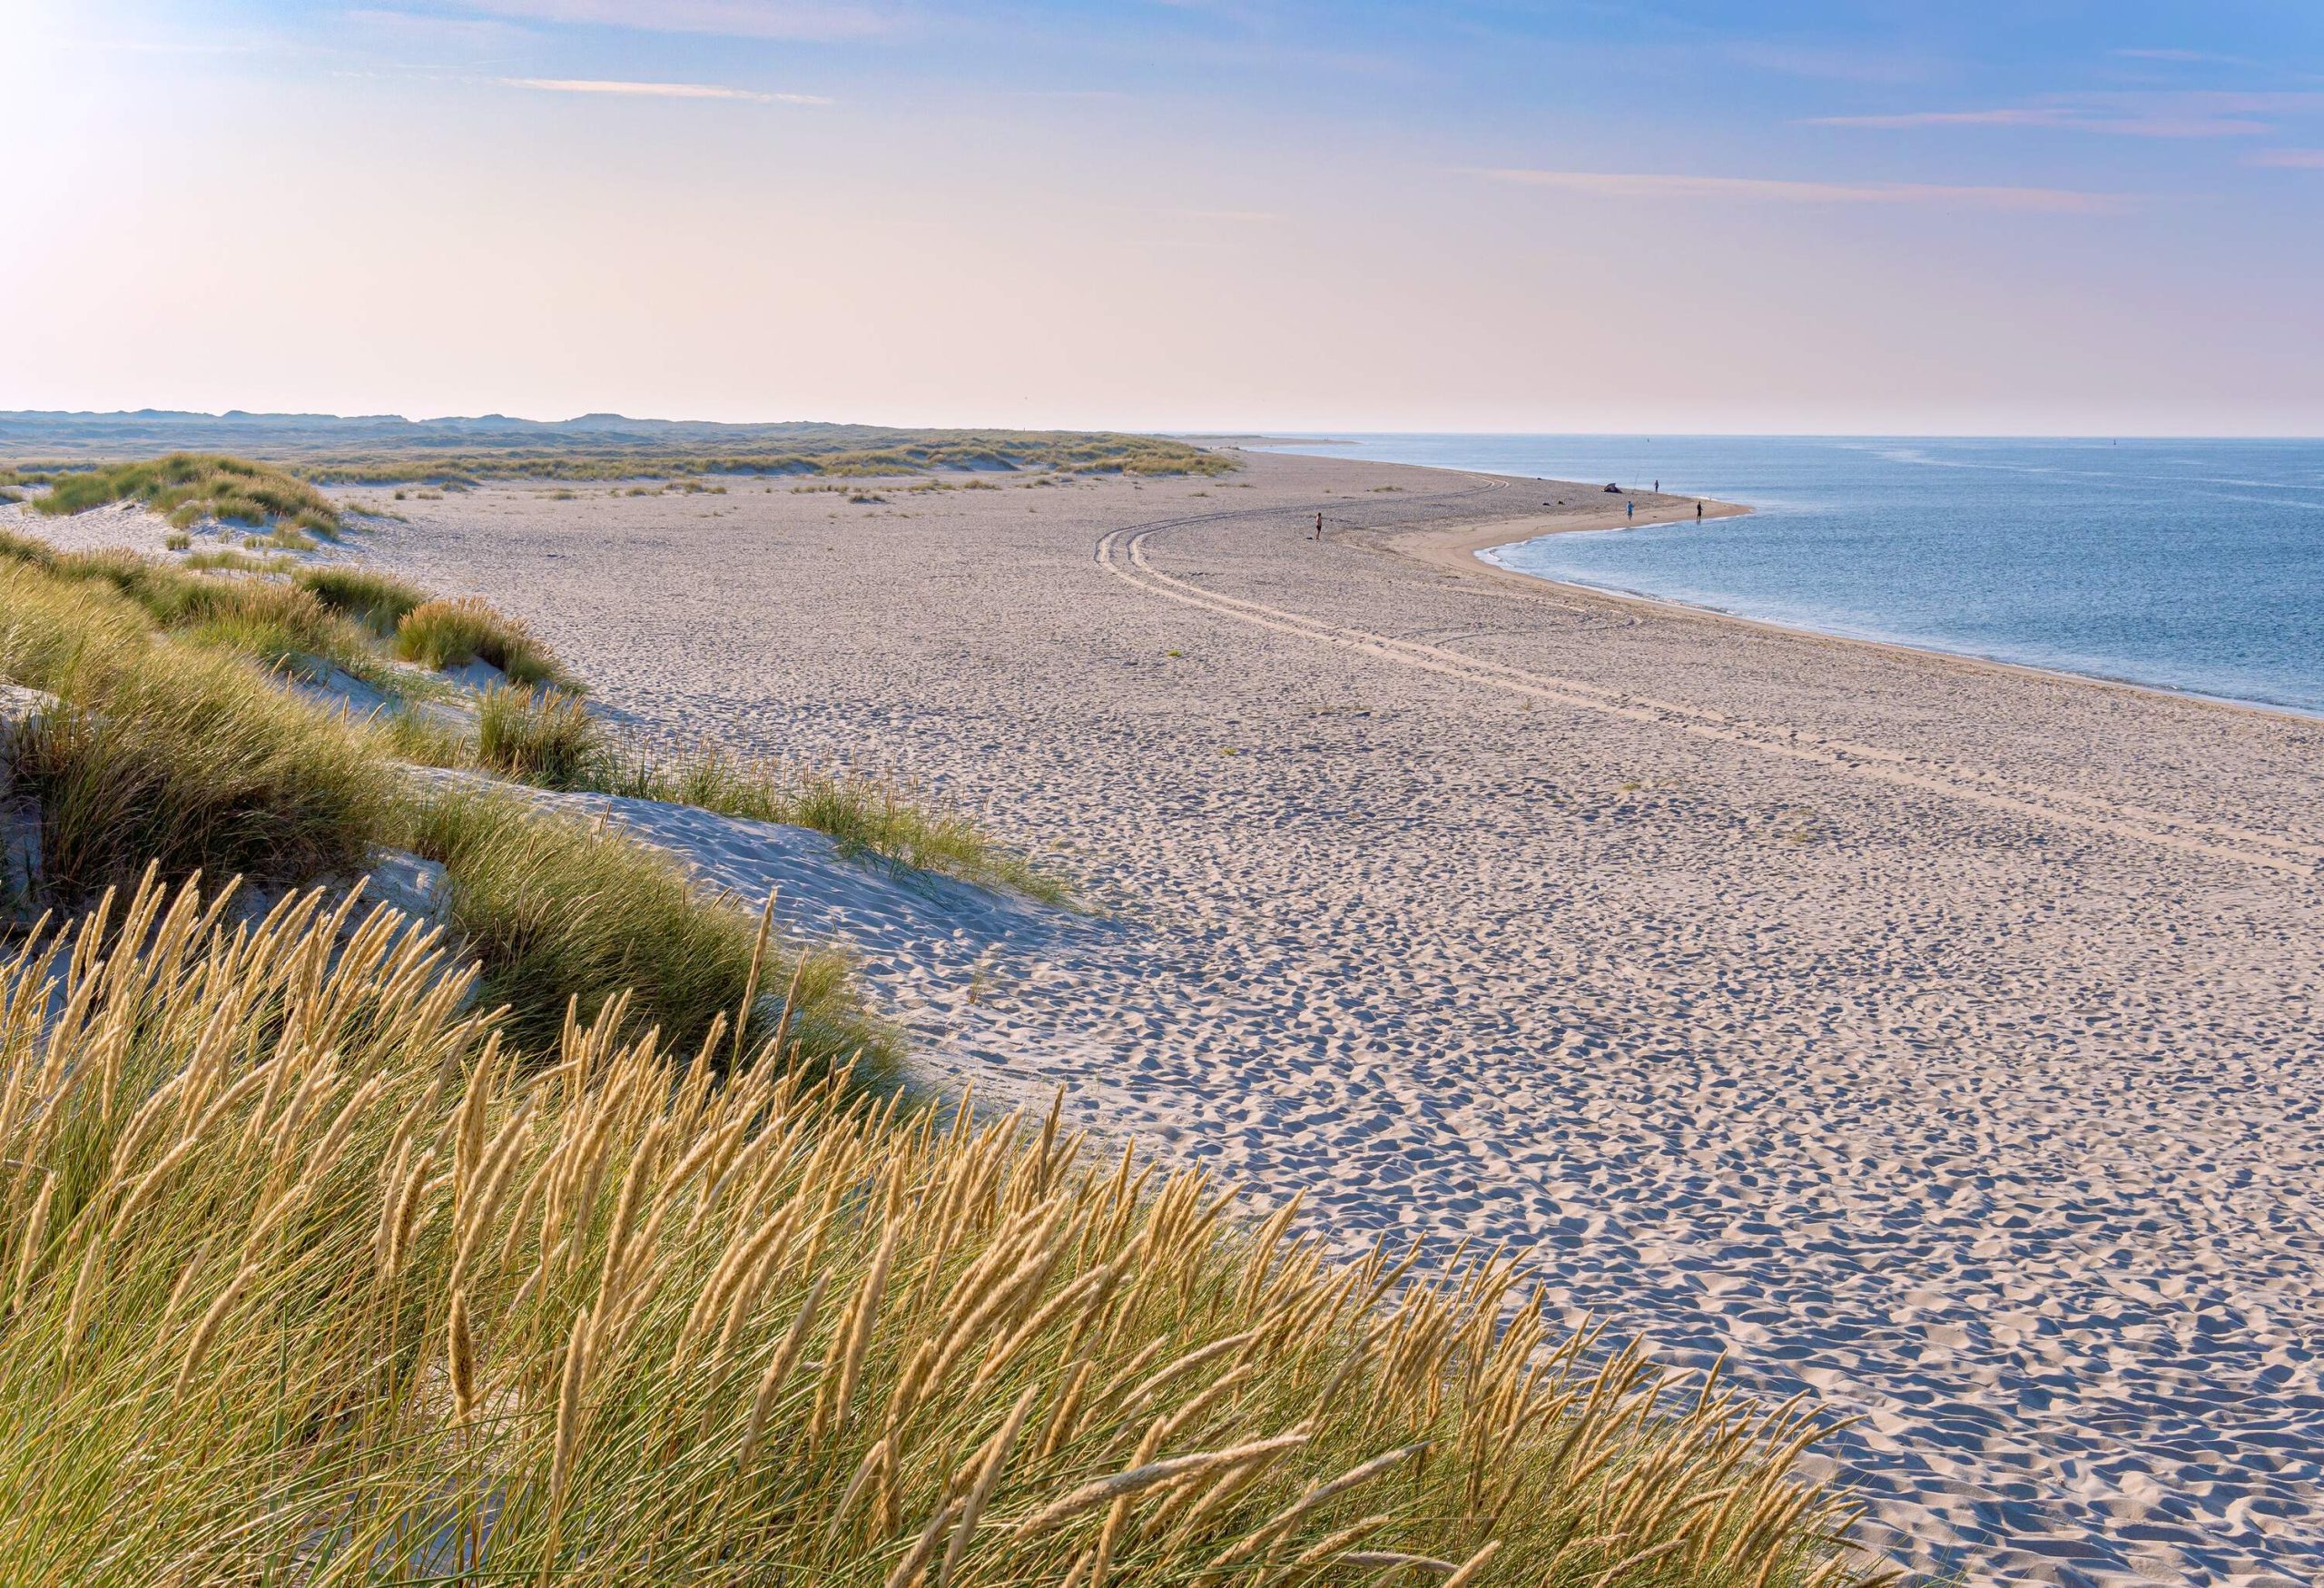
pixel 272 620
pixel 169 753
pixel 188 487
pixel 541 737
pixel 230 560
pixel 378 600
pixel 308 618
pixel 911 453
pixel 310 1280
pixel 559 909
pixel 443 633
pixel 183 754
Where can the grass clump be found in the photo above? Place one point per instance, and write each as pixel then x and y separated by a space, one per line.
pixel 379 601
pixel 541 737
pixel 447 633
pixel 310 618
pixel 312 1280
pixel 281 538
pixel 229 561
pixel 559 910
pixel 188 487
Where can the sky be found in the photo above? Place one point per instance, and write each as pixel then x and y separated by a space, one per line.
pixel 1967 217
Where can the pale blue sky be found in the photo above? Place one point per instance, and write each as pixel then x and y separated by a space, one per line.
pixel 1902 217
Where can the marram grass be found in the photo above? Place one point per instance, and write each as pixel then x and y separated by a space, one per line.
pixel 443 633
pixel 309 1278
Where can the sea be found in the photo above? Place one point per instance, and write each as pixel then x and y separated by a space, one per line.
pixel 2187 565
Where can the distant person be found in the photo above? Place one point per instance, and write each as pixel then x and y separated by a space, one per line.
pixel 1698 509
pixel 1319 526
pixel 1657 488
pixel 1630 509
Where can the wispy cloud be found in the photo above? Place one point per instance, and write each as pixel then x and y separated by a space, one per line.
pixel 2184 57
pixel 2005 117
pixel 776 19
pixel 2149 114
pixel 1669 186
pixel 2286 159
pixel 2134 126
pixel 658 89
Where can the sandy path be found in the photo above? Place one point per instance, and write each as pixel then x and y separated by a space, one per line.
pixel 1938 1037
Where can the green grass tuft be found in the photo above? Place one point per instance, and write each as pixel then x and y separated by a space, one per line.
pixel 170 749
pixel 448 633
pixel 379 601
pixel 541 737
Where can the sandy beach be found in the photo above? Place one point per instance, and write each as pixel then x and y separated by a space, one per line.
pixel 1935 1037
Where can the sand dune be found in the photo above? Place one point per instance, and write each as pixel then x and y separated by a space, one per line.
pixel 1935 1037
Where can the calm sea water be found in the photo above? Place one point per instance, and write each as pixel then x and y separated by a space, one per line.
pixel 2188 565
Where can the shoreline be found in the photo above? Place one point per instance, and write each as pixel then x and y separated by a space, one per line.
pixel 1462 551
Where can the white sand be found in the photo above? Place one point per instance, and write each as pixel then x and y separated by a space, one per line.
pixel 1938 1037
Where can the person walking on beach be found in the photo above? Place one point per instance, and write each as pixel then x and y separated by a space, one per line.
pixel 1698 509
pixel 1630 509
pixel 1319 526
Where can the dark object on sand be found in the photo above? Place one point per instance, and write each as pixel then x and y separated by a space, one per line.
pixel 1613 491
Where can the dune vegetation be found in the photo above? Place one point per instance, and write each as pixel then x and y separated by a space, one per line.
pixel 1138 454
pixel 379 601
pixel 310 619
pixel 450 633
pixel 176 754
pixel 297 616
pixel 563 913
pixel 171 742
pixel 191 487
pixel 583 1235
pixel 386 451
